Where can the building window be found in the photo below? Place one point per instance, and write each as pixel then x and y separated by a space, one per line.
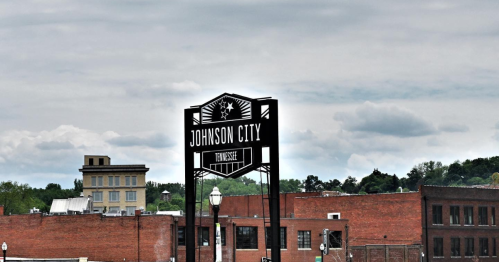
pixel 222 235
pixel 127 181
pixel 94 181
pixel 134 181
pixel 482 216
pixel 335 239
pixel 246 238
pixel 438 247
pixel 101 161
pixel 304 239
pixel 90 161
pixel 468 215
pixel 116 181
pixel 98 209
pixel 131 196
pixel 100 181
pixel 114 210
pixel 203 236
pixel 333 215
pixel 437 215
pixel 483 245
pixel 494 248
pixel 454 215
pixel 110 180
pixel 114 196
pixel 97 196
pixel 268 238
pixel 493 216
pixel 455 247
pixel 130 211
pixel 469 247
pixel 181 236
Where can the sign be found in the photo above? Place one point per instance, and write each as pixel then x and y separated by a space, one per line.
pixel 325 241
pixel 318 259
pixel 218 245
pixel 229 134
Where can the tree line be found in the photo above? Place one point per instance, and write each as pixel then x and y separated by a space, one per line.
pixel 18 198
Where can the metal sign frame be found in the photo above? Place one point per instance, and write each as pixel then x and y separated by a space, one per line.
pixel 218 134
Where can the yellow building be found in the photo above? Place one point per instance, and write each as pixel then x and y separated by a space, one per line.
pixel 114 188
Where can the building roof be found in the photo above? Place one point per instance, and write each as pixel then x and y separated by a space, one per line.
pixel 71 204
pixel 165 192
pixel 114 168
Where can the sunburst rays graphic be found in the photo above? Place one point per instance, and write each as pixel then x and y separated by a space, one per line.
pixel 226 108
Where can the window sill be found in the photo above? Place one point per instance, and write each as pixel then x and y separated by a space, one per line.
pixel 304 248
pixel 281 249
pixel 483 225
pixel 246 249
pixel 131 200
pixel 455 225
pixel 438 224
pixel 114 201
pixel 469 225
pixel 454 257
pixel 439 257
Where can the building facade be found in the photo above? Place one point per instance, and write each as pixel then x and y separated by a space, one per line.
pixel 459 224
pixel 114 188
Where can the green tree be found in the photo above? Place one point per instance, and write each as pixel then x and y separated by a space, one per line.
pixel 16 198
pixel 334 185
pixel 350 185
pixel 78 185
pixel 289 186
pixel 313 184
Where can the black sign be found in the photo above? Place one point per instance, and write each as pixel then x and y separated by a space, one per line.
pixel 230 132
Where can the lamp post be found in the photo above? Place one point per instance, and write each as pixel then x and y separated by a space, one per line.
pixel 351 257
pixel 4 248
pixel 215 201
pixel 422 256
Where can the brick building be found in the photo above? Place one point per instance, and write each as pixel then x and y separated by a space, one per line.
pixel 459 223
pixel 153 238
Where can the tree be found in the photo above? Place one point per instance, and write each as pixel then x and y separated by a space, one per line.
pixel 289 186
pixel 334 185
pixel 350 185
pixel 78 185
pixel 16 198
pixel 313 184
pixel 495 178
pixel 414 179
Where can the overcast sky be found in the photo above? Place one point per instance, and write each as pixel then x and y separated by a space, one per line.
pixel 360 84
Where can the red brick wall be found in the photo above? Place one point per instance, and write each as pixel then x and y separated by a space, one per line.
pixel 371 217
pixel 248 206
pixel 101 239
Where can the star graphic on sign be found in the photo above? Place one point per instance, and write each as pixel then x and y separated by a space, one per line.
pixel 224 115
pixel 222 104
pixel 230 107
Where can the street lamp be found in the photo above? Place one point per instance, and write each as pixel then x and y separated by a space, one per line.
pixel 351 256
pixel 215 201
pixel 422 256
pixel 4 248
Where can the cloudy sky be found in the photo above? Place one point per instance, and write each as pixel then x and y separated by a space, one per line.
pixel 360 84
